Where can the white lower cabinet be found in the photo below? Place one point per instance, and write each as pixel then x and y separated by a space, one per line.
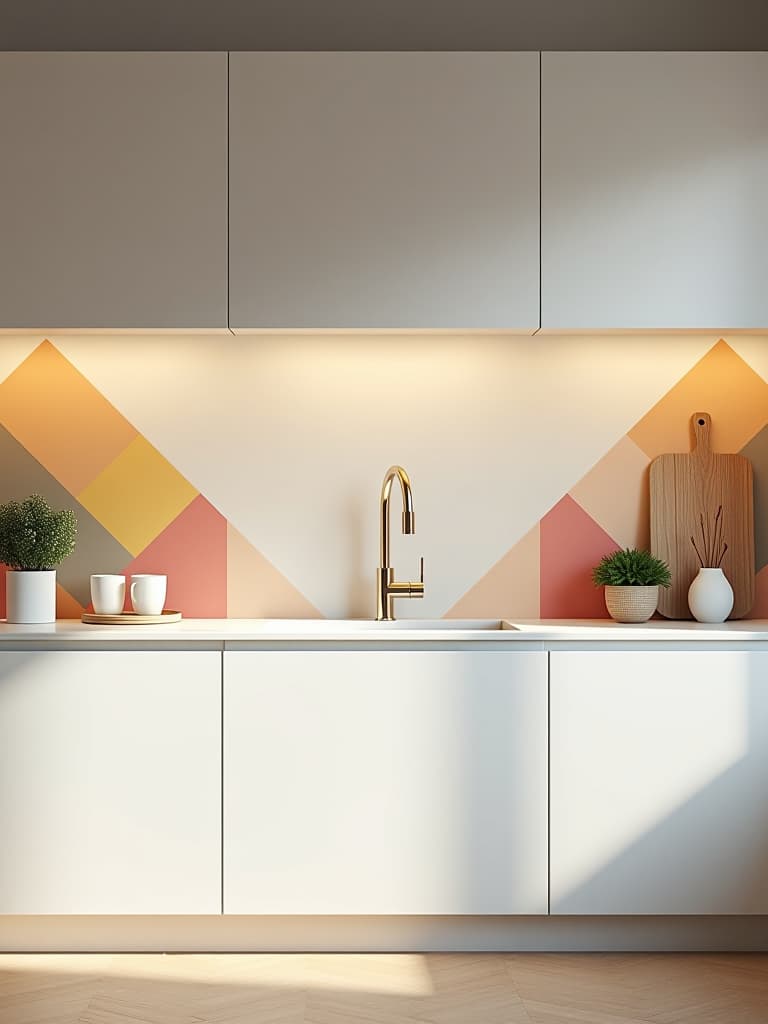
pixel 110 782
pixel 659 782
pixel 409 782
pixel 391 782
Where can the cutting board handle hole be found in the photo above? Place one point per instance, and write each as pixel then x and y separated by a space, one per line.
pixel 701 423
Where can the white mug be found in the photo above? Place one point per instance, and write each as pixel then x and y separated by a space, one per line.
pixel 148 594
pixel 108 594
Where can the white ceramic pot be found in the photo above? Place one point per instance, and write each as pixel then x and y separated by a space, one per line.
pixel 710 596
pixel 30 596
pixel 631 604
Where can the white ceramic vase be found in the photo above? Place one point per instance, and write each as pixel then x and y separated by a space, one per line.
pixel 710 596
pixel 30 596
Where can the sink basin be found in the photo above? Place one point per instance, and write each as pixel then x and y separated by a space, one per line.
pixel 333 626
pixel 460 625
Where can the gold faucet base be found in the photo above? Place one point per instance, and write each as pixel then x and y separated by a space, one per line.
pixel 387 589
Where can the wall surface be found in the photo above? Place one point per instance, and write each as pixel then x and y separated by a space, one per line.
pixel 249 468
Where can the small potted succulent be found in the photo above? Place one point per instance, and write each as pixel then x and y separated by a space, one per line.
pixel 631 579
pixel 34 539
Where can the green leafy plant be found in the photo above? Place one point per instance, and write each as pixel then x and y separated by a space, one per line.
pixel 35 537
pixel 631 568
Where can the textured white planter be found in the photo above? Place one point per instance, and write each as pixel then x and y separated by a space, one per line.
pixel 710 596
pixel 631 604
pixel 30 596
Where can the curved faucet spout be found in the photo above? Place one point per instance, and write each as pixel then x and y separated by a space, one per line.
pixel 395 472
pixel 387 587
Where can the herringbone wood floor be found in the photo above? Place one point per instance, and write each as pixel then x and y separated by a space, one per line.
pixel 384 989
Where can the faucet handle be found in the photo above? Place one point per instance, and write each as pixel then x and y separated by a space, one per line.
pixel 416 587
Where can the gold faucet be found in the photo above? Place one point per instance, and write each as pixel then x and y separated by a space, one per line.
pixel 387 589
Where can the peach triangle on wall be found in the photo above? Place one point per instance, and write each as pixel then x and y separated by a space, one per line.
pixel 256 589
pixel 510 588
pixel 616 494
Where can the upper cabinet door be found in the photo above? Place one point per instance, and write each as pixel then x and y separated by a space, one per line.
pixel 384 190
pixel 654 190
pixel 113 190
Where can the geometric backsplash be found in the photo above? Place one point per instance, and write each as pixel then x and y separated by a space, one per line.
pixel 547 573
pixel 60 437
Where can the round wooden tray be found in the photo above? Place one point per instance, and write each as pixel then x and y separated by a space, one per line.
pixel 130 619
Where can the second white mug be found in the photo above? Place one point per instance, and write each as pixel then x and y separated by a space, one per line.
pixel 148 594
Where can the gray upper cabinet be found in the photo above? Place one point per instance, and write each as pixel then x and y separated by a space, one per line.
pixel 113 190
pixel 384 190
pixel 654 190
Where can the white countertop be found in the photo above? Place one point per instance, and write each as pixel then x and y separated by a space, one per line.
pixel 406 630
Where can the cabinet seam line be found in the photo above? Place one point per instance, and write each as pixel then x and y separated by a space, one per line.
pixel 228 299
pixel 221 798
pixel 549 783
pixel 540 204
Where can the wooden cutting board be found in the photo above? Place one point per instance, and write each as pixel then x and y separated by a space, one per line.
pixel 682 488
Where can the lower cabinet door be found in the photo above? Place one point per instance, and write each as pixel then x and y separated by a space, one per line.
pixel 385 782
pixel 110 775
pixel 659 782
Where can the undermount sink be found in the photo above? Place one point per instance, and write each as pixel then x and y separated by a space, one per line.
pixel 322 626
pixel 462 625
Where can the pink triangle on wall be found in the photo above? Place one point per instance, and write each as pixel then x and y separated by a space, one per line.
pixel 192 551
pixel 571 544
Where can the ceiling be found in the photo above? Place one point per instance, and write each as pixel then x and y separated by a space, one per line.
pixel 384 25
